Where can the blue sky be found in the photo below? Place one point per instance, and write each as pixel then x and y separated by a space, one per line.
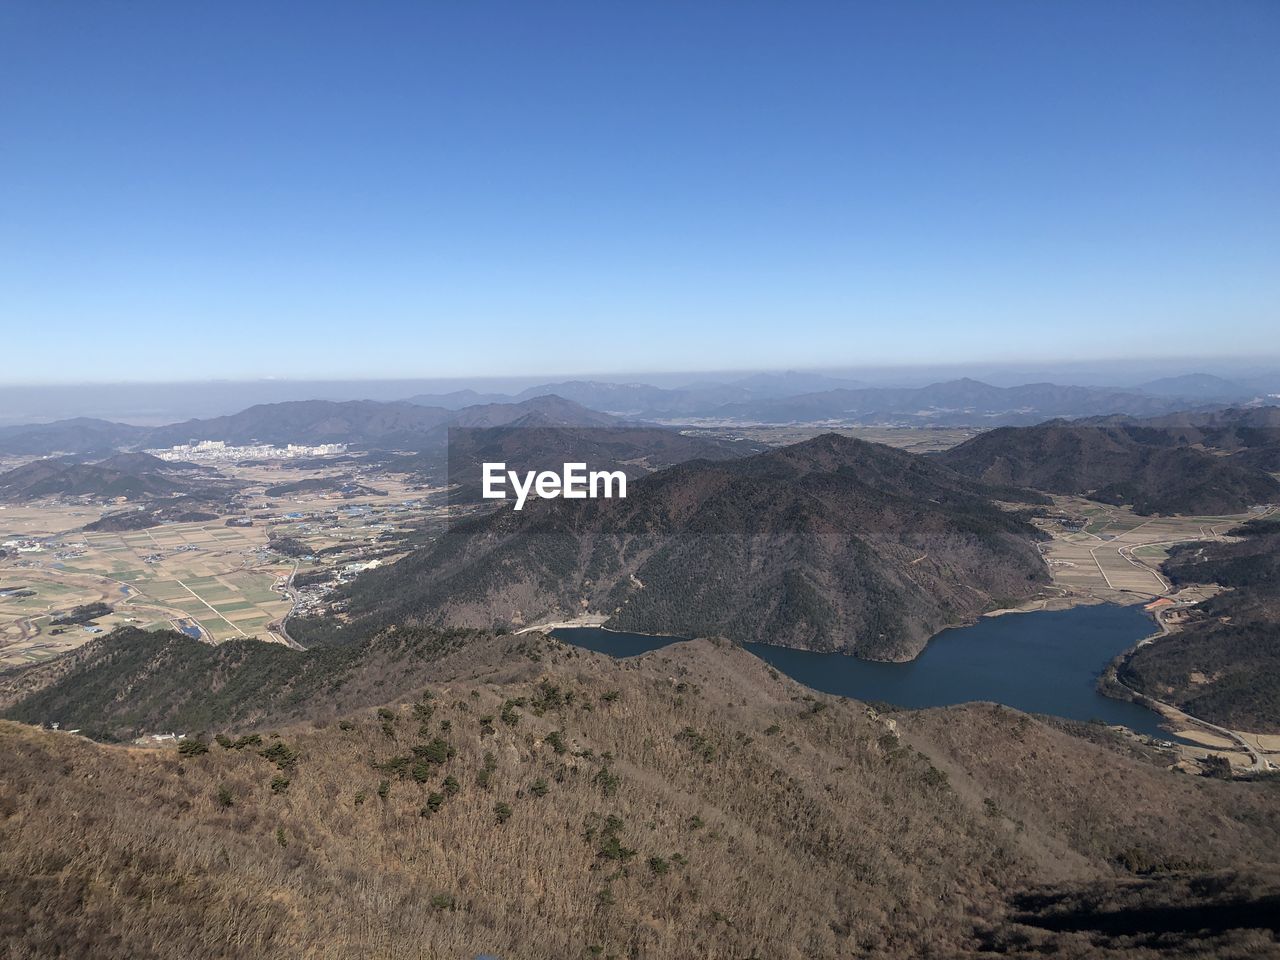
pixel 319 189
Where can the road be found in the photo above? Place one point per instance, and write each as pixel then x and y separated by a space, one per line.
pixel 1260 763
pixel 293 603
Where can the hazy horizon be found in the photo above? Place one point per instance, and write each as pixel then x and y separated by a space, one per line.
pixel 155 402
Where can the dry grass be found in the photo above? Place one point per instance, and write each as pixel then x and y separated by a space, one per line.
pixel 787 827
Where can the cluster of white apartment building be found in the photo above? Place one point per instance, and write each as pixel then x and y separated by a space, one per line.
pixel 220 450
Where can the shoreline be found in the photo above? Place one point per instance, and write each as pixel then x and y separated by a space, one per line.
pixel 1177 721
pixel 1174 722
pixel 585 620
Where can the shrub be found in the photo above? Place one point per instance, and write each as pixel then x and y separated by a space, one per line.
pixel 1217 766
pixel 225 797
pixel 1135 860
pixel 549 697
pixel 933 777
pixel 191 748
pixel 442 901
pixel 384 789
pixel 611 848
pixel 485 776
pixel 658 866
pixel 280 753
pixel 556 739
pixel 607 781
pixel 451 786
pixel 539 788
pixel 279 783
pixel 437 751
pixel 388 719
pixel 698 743
pixel 281 839
pixel 502 812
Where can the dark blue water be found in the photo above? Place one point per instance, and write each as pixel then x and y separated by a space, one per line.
pixel 1044 662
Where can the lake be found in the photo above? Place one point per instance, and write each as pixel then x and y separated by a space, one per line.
pixel 1042 662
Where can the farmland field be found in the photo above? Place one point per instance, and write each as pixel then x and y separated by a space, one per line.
pixel 1117 554
pixel 218 580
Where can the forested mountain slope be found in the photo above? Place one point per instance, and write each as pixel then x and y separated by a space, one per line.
pixel 1157 470
pixel 1224 664
pixel 831 544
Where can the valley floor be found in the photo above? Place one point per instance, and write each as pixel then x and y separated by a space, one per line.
pixel 1115 557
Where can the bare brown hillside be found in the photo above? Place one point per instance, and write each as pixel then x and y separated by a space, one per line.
pixel 690 803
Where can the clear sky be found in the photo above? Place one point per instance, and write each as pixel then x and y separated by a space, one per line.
pixel 362 189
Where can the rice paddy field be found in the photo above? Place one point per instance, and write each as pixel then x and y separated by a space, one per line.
pixel 207 577
pixel 214 581
pixel 1116 556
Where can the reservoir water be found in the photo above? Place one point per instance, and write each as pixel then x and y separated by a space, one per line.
pixel 1043 662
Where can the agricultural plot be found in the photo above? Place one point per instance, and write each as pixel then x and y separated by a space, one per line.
pixel 207 578
pixel 1117 554
pixel 207 575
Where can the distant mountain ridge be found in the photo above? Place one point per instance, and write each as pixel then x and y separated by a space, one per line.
pixel 963 402
pixel 528 444
pixel 763 398
pixel 131 476
pixel 363 424
pixel 804 397
pixel 1186 464
pixel 1200 386
pixel 80 435
pixel 642 399
pixel 831 544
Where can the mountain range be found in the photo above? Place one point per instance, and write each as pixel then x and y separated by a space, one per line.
pixel 962 402
pixel 523 446
pixel 129 476
pixel 808 397
pixel 831 544
pixel 761 398
pixel 363 424
pixel 1209 463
